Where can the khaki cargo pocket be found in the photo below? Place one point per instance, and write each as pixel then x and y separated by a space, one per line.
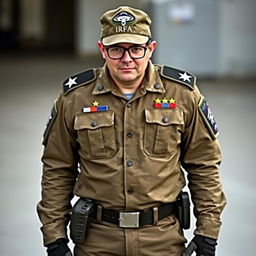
pixel 96 134
pixel 163 130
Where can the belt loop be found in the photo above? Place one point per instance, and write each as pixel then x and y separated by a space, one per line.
pixel 99 213
pixel 155 215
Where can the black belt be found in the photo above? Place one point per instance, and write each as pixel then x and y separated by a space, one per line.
pixel 136 219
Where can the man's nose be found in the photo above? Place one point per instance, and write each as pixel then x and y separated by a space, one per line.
pixel 126 57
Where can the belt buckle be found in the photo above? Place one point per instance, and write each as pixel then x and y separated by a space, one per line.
pixel 129 219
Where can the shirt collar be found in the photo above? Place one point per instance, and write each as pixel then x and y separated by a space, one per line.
pixel 104 82
pixel 151 81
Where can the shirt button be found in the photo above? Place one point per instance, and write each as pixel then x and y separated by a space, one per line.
pixel 129 105
pixel 93 124
pixel 157 86
pixel 129 163
pixel 130 191
pixel 165 119
pixel 129 135
pixel 100 87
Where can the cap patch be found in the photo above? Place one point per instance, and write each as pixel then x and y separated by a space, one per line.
pixel 123 18
pixel 208 117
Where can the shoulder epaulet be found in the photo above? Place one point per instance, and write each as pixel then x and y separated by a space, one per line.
pixel 77 80
pixel 179 76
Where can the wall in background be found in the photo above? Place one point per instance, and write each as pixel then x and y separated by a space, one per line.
pixel 238 37
pixel 88 25
pixel 75 26
pixel 235 36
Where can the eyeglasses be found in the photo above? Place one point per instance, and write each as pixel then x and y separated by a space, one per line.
pixel 117 52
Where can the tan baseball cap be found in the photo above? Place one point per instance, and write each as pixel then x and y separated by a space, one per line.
pixel 125 25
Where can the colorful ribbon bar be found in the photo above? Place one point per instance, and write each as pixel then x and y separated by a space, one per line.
pixel 95 109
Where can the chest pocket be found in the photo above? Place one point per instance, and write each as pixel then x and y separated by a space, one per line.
pixel 163 130
pixel 96 134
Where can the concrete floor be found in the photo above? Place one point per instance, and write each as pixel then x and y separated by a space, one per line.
pixel 29 86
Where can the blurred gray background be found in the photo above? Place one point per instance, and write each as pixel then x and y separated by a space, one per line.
pixel 42 42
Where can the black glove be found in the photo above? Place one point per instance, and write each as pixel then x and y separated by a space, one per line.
pixel 202 245
pixel 58 248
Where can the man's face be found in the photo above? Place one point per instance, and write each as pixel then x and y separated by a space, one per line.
pixel 127 70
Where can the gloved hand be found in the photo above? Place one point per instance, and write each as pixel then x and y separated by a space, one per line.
pixel 202 245
pixel 58 248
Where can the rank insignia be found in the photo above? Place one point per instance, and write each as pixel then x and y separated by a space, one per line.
pixel 208 117
pixel 180 76
pixel 77 80
pixel 185 77
pixel 164 103
pixel 95 108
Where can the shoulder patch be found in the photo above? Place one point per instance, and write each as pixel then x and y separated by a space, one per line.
pixel 208 117
pixel 78 80
pixel 179 76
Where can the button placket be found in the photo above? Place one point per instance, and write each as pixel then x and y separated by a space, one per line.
pixel 129 157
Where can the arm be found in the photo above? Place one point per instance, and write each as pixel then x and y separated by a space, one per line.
pixel 59 174
pixel 201 158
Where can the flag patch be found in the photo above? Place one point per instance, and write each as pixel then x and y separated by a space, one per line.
pixel 208 117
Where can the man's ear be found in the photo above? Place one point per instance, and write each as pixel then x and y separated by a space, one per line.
pixel 152 46
pixel 102 49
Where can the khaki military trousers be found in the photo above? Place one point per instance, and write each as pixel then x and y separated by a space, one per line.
pixel 163 239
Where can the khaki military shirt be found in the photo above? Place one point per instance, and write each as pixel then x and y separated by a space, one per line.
pixel 129 154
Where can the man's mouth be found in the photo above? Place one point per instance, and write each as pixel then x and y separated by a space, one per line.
pixel 127 68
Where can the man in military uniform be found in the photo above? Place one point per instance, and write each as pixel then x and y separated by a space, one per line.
pixel 121 136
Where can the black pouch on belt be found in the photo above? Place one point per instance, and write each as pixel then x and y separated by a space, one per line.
pixel 80 219
pixel 183 210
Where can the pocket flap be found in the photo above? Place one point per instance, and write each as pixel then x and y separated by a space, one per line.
pixel 94 121
pixel 164 117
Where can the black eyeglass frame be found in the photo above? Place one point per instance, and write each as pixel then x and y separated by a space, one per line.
pixel 127 49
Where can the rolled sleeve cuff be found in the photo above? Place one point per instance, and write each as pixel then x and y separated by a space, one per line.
pixel 52 232
pixel 208 227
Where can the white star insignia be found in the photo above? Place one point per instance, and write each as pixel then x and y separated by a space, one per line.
pixel 71 82
pixel 185 77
